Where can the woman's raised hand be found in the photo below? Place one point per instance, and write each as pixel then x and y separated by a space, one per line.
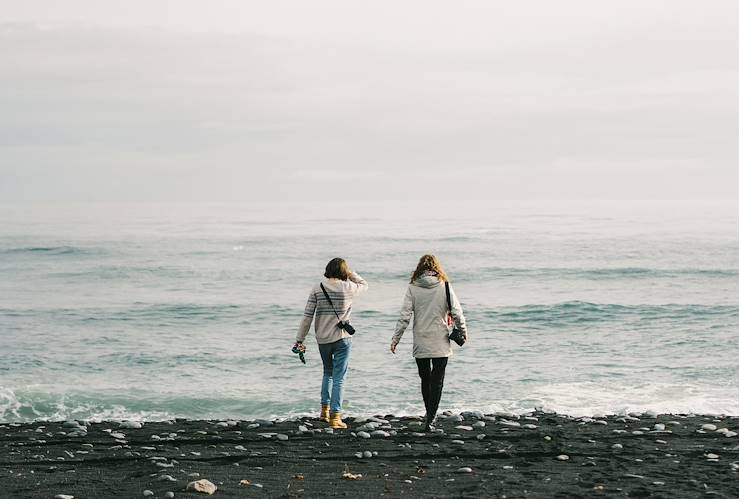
pixel 393 345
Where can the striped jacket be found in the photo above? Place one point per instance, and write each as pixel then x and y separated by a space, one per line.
pixel 342 293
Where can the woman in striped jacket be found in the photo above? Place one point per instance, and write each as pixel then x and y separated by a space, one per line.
pixel 334 342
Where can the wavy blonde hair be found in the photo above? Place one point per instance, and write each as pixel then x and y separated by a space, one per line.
pixel 429 263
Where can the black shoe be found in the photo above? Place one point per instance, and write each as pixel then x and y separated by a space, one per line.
pixel 430 420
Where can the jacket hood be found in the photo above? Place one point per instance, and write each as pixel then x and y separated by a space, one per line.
pixel 427 281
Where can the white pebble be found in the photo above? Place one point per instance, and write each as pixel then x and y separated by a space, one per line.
pixel 617 446
pixel 465 469
pixel 563 457
pixel 712 456
pixel 709 427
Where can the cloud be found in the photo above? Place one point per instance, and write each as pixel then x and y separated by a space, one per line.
pixel 132 113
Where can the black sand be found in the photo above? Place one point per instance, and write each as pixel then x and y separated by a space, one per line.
pixel 41 460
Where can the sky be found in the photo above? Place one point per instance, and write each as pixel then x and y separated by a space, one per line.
pixel 235 101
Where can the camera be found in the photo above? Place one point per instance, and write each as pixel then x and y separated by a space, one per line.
pixel 346 327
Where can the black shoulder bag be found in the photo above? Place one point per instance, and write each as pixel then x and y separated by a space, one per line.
pixel 456 335
pixel 341 325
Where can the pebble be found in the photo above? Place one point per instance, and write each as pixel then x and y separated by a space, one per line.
pixel 168 478
pixel 367 454
pixel 478 424
pixel 282 437
pixel 363 434
pixel 464 469
pixel 131 425
pixel 563 457
pixel 118 435
pixel 509 423
pixel 380 433
pixel 169 495
pixel 637 432
pixel 458 442
pixel 63 496
pixel 712 456
pixel 661 441
pixel 530 426
pixel 203 485
pixel 456 419
pixel 480 436
pixel 547 438
pixel 148 493
pixel 617 446
pixel 358 455
pixel 302 429
pixel 465 428
pixel 659 427
pixel 709 427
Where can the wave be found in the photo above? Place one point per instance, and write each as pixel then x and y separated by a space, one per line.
pixel 599 273
pixel 585 312
pixel 63 250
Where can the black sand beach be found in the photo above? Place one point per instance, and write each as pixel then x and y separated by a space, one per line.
pixel 537 456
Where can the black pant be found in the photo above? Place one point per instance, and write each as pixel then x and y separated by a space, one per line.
pixel 432 382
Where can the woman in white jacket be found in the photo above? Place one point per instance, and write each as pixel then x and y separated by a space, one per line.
pixel 425 301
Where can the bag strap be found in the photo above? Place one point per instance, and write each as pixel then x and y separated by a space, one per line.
pixel 325 293
pixel 448 297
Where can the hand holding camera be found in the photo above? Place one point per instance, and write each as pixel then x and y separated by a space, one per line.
pixel 299 349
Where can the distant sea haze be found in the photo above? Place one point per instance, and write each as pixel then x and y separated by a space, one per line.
pixel 159 311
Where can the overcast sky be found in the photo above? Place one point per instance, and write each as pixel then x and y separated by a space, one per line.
pixel 187 100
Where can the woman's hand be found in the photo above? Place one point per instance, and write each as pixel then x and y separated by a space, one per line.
pixel 299 347
pixel 393 345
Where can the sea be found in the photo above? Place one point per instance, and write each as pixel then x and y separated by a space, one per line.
pixel 159 311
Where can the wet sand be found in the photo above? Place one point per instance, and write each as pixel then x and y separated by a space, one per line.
pixel 536 456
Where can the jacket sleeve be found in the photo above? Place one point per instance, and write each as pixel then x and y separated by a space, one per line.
pixel 406 312
pixel 457 313
pixel 308 313
pixel 358 284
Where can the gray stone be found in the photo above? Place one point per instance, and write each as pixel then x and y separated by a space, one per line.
pixel 478 424
pixel 131 425
pixel 169 495
pixel 464 469
pixel 63 496
pixel 166 478
pixel 380 434
pixel 148 493
pixel 617 446
pixel 465 428
pixel 363 434
pixel 708 427
pixel 458 442
pixel 367 454
pixel 563 457
pixel 282 437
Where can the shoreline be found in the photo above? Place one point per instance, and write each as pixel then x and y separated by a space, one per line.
pixel 474 455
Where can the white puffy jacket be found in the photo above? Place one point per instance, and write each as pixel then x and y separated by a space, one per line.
pixel 425 301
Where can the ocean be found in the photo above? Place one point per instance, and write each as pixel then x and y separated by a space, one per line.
pixel 150 312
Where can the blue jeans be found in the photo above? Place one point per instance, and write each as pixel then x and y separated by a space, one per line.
pixel 335 358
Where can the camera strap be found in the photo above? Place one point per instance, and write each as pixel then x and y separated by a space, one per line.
pixel 325 293
pixel 448 300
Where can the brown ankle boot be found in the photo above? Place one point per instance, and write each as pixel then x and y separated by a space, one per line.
pixel 335 421
pixel 324 414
